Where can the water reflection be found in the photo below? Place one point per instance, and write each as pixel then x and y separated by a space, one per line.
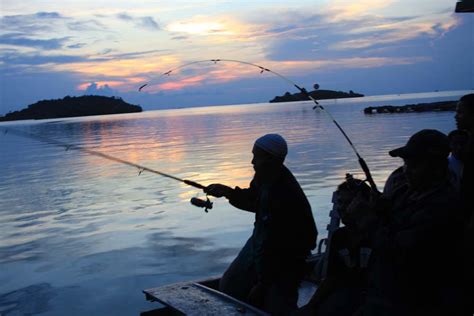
pixel 77 223
pixel 30 300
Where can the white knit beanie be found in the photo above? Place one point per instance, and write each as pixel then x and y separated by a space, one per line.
pixel 273 144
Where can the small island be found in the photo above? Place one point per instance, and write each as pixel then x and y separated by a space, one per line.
pixel 316 94
pixel 71 107
pixel 413 108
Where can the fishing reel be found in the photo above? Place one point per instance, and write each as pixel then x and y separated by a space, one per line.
pixel 355 185
pixel 206 204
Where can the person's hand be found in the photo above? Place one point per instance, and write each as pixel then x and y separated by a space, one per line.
pixel 218 190
pixel 256 296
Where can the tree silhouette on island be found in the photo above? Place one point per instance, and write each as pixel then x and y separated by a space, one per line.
pixel 316 94
pixel 71 107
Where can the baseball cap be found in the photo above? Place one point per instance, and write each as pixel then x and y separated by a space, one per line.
pixel 424 144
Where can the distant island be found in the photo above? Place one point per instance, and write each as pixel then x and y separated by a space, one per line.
pixel 71 107
pixel 413 108
pixel 316 94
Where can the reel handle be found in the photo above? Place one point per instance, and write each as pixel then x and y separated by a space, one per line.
pixel 206 204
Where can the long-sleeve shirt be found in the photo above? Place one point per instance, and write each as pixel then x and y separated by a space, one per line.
pixel 284 229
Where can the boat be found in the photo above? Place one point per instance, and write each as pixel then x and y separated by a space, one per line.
pixel 202 297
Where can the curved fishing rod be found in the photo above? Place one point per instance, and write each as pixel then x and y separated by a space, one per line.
pixel 99 154
pixel 361 160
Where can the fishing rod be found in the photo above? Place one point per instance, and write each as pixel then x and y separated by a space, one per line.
pixel 361 160
pixel 207 204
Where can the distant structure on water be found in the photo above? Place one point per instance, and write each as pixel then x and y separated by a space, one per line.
pixel 413 108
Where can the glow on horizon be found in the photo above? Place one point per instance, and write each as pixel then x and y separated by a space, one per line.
pixel 224 72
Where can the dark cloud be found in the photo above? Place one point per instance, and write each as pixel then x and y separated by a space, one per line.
pixel 15 59
pixel 106 51
pixel 133 55
pixel 39 22
pixel 146 22
pixel 89 25
pixel 35 60
pixel 30 17
pixel 16 39
pixel 76 46
pixel 282 29
pixel 30 23
pixel 179 37
pixel 48 15
pixel 12 60
pixel 402 18
pixel 124 16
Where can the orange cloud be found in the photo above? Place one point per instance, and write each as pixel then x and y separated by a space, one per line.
pixel 177 85
pixel 121 68
pixel 343 10
pixel 220 73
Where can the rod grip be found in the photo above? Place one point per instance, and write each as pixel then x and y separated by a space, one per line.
pixel 366 170
pixel 194 184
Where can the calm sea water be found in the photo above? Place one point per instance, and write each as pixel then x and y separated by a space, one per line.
pixel 80 234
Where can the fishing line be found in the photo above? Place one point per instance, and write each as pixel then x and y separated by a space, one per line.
pixel 362 162
pixel 99 154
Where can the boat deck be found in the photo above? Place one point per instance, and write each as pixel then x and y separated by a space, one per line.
pixel 202 298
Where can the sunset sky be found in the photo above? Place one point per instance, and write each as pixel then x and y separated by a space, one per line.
pixel 50 49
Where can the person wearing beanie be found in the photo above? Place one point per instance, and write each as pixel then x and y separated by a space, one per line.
pixel 269 268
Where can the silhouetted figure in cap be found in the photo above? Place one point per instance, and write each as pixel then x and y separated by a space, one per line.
pixel 465 121
pixel 416 259
pixel 269 268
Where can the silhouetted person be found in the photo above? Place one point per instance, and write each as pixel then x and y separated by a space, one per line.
pixel 465 121
pixel 269 268
pixel 342 291
pixel 394 182
pixel 415 265
pixel 458 140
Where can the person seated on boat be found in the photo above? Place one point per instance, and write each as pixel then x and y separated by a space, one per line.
pixel 457 142
pixel 394 182
pixel 342 291
pixel 465 121
pixel 415 263
pixel 269 268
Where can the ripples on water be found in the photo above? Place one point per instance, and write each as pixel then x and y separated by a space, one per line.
pixel 81 234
